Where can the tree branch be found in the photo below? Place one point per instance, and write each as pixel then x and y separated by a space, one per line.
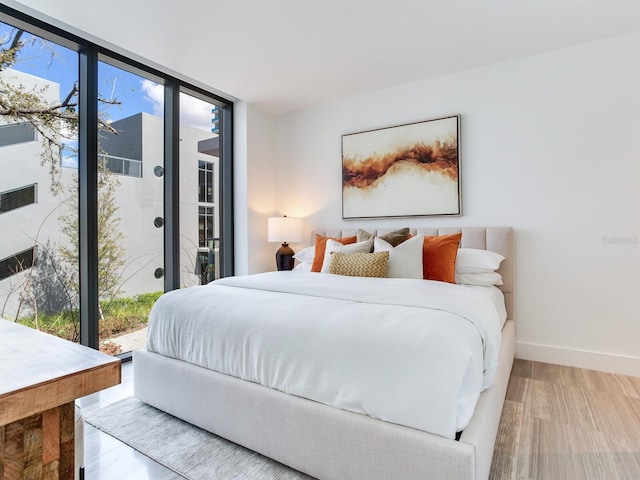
pixel 15 43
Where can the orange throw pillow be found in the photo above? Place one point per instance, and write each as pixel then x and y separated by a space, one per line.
pixel 321 246
pixel 439 257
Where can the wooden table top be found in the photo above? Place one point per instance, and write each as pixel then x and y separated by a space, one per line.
pixel 39 371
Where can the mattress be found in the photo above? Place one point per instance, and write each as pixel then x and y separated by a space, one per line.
pixel 412 352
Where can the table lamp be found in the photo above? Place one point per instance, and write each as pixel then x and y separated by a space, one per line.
pixel 284 229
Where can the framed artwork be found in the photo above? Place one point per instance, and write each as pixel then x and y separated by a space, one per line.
pixel 402 171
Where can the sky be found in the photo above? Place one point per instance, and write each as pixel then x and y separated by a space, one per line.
pixel 134 93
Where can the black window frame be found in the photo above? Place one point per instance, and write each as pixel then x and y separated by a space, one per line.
pixel 17 194
pixel 32 134
pixel 206 219
pixel 90 54
pixel 206 192
pixel 25 260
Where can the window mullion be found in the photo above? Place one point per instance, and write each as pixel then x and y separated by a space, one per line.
pixel 171 186
pixel 225 214
pixel 88 196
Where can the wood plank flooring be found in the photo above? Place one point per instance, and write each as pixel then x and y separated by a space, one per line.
pixel 558 423
pixel 568 423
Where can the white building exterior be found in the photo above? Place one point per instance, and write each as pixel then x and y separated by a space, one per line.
pixel 134 153
pixel 140 200
pixel 32 224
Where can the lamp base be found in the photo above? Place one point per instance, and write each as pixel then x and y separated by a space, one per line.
pixel 284 257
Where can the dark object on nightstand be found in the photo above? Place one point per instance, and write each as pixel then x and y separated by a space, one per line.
pixel 284 257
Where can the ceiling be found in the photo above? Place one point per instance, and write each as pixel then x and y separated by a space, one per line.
pixel 283 55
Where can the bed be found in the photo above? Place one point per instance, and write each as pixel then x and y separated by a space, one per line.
pixel 328 433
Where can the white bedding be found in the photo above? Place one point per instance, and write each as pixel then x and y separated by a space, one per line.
pixel 413 352
pixel 495 296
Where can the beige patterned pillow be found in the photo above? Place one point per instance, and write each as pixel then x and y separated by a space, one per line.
pixel 359 264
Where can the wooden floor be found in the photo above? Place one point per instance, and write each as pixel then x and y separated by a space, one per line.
pixel 558 423
pixel 568 423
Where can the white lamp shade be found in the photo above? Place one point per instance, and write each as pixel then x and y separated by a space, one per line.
pixel 284 229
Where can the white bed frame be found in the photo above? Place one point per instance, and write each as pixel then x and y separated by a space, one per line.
pixel 325 442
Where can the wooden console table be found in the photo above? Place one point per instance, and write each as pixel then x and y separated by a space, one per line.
pixel 40 377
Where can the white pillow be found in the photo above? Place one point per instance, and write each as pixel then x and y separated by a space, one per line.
pixel 473 260
pixel 302 267
pixel 333 246
pixel 405 260
pixel 483 279
pixel 306 255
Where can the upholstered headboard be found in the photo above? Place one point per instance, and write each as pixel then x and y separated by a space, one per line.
pixel 496 239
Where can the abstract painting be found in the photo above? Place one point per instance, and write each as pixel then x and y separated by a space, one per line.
pixel 402 171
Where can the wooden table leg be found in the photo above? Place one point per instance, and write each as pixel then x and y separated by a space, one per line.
pixel 39 447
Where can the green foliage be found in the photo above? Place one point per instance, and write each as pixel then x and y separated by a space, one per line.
pixel 62 324
pixel 121 316
pixel 124 314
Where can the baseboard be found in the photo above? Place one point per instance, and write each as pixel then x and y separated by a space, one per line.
pixel 605 362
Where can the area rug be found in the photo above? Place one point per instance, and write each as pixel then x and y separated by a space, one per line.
pixel 186 449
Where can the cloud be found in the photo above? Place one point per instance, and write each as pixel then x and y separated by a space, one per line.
pixel 193 111
pixel 154 94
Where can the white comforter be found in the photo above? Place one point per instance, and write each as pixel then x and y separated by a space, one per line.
pixel 412 352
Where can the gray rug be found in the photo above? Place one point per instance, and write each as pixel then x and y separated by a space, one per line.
pixel 187 450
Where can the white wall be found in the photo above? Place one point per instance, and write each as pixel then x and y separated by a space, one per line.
pixel 254 188
pixel 548 148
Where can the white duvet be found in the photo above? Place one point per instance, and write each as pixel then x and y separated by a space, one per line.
pixel 412 352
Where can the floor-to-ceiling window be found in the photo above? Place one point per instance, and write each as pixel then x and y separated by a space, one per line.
pixel 130 203
pixel 38 136
pixel 103 195
pixel 200 226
